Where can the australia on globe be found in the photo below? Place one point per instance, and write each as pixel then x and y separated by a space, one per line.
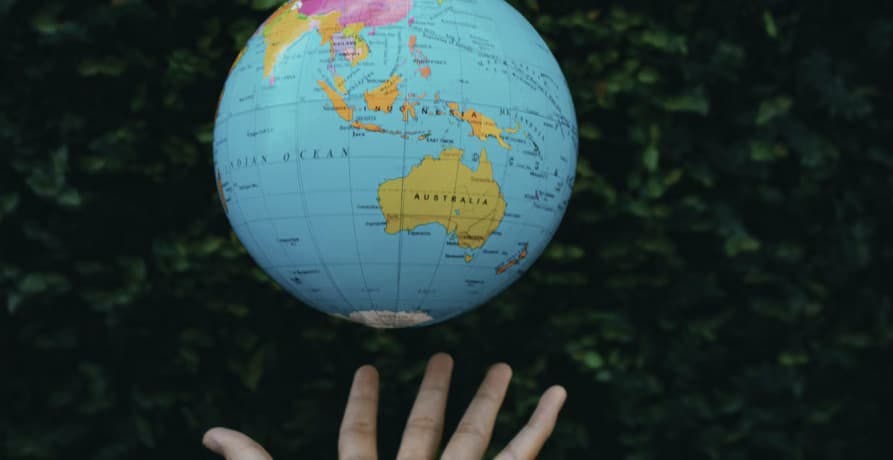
pixel 395 162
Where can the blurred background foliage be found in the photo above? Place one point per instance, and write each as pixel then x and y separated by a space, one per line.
pixel 719 288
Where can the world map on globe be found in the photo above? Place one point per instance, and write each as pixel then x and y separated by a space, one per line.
pixel 395 162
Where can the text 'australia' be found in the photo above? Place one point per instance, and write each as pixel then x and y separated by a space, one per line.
pixel 469 200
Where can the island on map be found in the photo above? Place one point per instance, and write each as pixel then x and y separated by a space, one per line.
pixel 381 99
pixel 338 103
pixel 512 262
pixel 468 204
pixel 482 126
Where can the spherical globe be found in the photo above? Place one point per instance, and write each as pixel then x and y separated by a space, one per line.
pixel 395 162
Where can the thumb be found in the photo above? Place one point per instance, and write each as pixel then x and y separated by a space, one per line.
pixel 233 445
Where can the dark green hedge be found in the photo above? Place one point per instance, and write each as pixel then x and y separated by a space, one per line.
pixel 719 289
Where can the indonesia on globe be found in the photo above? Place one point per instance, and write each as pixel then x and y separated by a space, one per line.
pixel 395 162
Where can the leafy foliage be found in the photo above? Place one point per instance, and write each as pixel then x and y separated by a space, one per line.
pixel 718 290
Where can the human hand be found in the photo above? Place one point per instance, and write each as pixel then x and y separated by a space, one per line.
pixel 424 428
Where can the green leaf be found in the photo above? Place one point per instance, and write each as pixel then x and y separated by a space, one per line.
pixel 592 359
pixel 13 301
pixel 105 66
pixel 651 157
pixel 46 21
pixel 38 283
pixel 70 198
pixel 741 243
pixel 772 108
pixel 664 40
pixel 265 4
pixel 48 179
pixel 648 76
pixel 590 132
pixel 694 100
pixel 8 204
pixel 762 151
pixel 769 24
pixel 791 359
pixel 251 371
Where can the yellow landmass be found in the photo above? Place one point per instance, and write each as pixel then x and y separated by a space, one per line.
pixel 368 127
pixel 442 190
pixel 408 110
pixel 282 29
pixel 329 25
pixel 340 84
pixel 382 99
pixel 344 110
pixel 238 58
pixel 482 126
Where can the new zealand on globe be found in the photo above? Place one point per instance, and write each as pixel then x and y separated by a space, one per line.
pixel 395 162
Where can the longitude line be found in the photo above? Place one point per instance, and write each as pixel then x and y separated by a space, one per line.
pixel 402 202
pixel 322 262
pixel 353 214
pixel 297 293
pixel 456 177
pixel 239 201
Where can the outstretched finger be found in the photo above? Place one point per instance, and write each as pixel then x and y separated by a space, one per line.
pixel 233 445
pixel 473 434
pixel 424 427
pixel 357 437
pixel 530 440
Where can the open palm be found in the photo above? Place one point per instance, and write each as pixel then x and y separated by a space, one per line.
pixel 424 429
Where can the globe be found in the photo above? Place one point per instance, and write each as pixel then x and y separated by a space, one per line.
pixel 395 162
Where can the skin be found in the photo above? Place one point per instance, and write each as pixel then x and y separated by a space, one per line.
pixel 424 428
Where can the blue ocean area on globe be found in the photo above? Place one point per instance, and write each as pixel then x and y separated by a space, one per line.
pixel 396 162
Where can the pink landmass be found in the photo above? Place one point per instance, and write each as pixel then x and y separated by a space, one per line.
pixel 372 13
